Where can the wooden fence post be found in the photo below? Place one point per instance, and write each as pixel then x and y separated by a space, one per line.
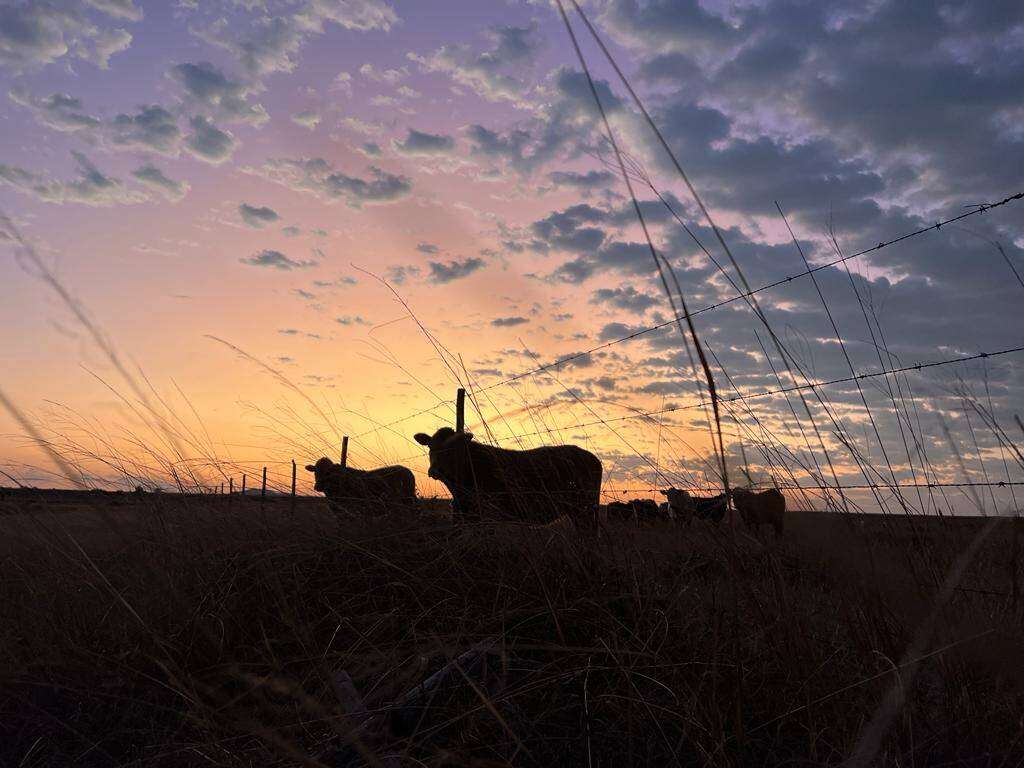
pixel 263 488
pixel 344 451
pixel 460 410
pixel 231 486
pixel 243 485
pixel 293 486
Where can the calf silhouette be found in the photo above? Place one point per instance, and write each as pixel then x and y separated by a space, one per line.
pixel 380 488
pixel 536 485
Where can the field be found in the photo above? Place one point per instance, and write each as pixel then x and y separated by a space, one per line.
pixel 160 630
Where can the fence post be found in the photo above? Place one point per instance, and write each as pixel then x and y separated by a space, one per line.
pixel 344 451
pixel 293 486
pixel 243 485
pixel 460 410
pixel 231 486
pixel 263 488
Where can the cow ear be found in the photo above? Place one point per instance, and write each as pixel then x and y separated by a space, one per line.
pixel 310 468
pixel 468 435
pixel 663 493
pixel 422 438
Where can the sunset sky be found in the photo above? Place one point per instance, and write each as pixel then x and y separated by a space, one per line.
pixel 255 170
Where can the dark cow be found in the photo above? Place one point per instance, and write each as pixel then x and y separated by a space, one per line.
pixel 711 507
pixel 681 504
pixel 537 485
pixel 384 488
pixel 764 508
pixel 637 510
pixel 619 510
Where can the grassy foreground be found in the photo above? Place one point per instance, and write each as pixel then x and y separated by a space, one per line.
pixel 200 632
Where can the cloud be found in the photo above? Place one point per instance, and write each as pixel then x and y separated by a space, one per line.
pixel 274 42
pixel 390 76
pixel 351 320
pixel 291 231
pixel 58 111
pixel 209 143
pixel 93 187
pixel 307 119
pixel 276 260
pixel 509 322
pixel 39 33
pixel 400 273
pixel 257 217
pixel 151 128
pixel 370 149
pixel 155 179
pixel 419 143
pixel 121 9
pixel 208 87
pixel 561 125
pixel 489 73
pixel 446 272
pixel 319 177
pixel 361 126
pixel 428 248
pixel 342 83
pixel 627 297
pixel 589 181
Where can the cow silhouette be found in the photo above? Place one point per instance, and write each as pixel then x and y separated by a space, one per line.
pixel 764 508
pixel 536 485
pixel 637 510
pixel 681 503
pixel 381 489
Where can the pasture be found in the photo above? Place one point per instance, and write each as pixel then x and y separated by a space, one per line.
pixel 170 630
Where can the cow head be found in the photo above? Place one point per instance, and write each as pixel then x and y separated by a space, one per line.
pixel 320 470
pixel 449 454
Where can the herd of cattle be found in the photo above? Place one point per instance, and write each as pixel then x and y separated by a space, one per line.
pixel 536 485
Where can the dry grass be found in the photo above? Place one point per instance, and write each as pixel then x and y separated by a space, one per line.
pixel 214 632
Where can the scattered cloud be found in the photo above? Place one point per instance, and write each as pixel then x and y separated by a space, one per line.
pixel 151 128
pixel 400 273
pixel 627 298
pixel 319 177
pixel 447 272
pixel 308 118
pixel 273 42
pixel 419 143
pixel 209 143
pixel 276 260
pixel 157 180
pixel 36 34
pixel 495 73
pixel 427 248
pixel 390 76
pixel 58 111
pixel 257 217
pixel 586 182
pixel 509 322
pixel 208 88
pixel 121 9
pixel 351 320
pixel 93 187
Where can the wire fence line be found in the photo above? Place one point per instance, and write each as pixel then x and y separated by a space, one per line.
pixel 981 208
pixel 753 395
pixel 779 391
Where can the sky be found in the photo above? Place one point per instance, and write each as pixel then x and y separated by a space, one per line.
pixel 263 224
